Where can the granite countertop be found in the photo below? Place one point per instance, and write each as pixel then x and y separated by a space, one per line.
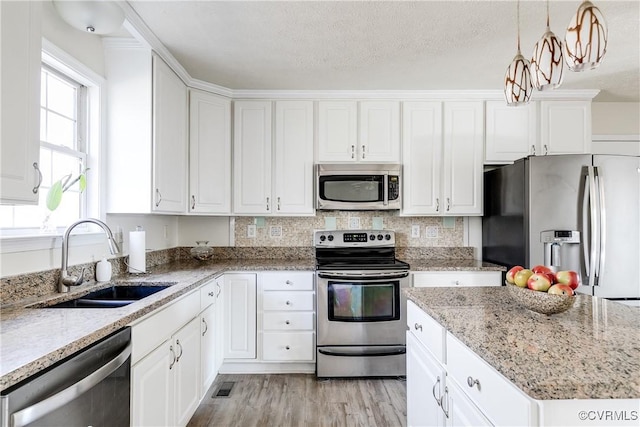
pixel 33 338
pixel 591 351
pixel 452 265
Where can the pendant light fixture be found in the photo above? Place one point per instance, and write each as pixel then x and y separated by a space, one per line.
pixel 585 41
pixel 96 17
pixel 547 62
pixel 517 79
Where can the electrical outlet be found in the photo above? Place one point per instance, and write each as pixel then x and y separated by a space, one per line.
pixel 251 231
pixel 415 231
pixel 432 232
pixel 354 223
pixel 275 231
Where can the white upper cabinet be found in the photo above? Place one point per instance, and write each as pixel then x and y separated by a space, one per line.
pixel 565 127
pixel 293 158
pixel 20 112
pixel 421 157
pixel 337 131
pixel 373 135
pixel 463 153
pixel 511 132
pixel 169 139
pixel 209 153
pixel 273 178
pixel 442 153
pixel 379 131
pixel 147 132
pixel 252 157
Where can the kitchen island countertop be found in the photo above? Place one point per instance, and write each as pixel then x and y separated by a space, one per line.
pixel 591 351
pixel 426 265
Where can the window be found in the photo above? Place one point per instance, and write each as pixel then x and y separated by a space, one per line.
pixel 63 155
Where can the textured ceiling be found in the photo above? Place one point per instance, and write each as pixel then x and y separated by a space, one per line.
pixel 369 45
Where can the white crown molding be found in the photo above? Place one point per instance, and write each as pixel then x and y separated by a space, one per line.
pixel 210 87
pixel 123 43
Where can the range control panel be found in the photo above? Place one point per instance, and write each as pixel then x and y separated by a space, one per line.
pixel 350 238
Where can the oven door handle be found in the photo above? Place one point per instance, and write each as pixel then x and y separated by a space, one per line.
pixel 359 276
pixel 58 400
pixel 359 353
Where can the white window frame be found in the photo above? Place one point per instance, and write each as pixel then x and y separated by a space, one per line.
pixel 60 60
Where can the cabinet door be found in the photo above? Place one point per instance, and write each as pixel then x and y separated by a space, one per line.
pixel 463 156
pixel 20 111
pixel 209 153
pixel 208 339
pixel 565 127
pixel 219 330
pixel 187 372
pixel 461 411
pixel 422 158
pixel 293 158
pixel 511 132
pixel 379 131
pixel 425 386
pixel 252 157
pixel 240 319
pixel 169 139
pixel 337 131
pixel 152 388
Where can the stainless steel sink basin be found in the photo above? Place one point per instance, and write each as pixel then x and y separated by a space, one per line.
pixel 111 297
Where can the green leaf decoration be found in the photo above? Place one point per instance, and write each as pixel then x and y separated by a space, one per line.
pixel 54 196
pixel 82 183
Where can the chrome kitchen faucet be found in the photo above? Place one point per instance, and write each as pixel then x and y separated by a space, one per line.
pixel 65 279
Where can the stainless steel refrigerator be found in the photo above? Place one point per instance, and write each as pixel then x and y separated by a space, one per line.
pixel 596 195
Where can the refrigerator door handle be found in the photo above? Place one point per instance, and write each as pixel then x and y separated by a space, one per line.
pixel 586 235
pixel 594 226
pixel 602 235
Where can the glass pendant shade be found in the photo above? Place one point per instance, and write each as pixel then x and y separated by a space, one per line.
pixel 517 81
pixel 585 41
pixel 547 62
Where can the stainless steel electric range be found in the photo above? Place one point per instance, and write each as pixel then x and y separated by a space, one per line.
pixel 361 309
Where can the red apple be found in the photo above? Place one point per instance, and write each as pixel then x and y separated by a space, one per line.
pixel 568 277
pixel 551 276
pixel 511 273
pixel 539 282
pixel 541 269
pixel 521 277
pixel 560 289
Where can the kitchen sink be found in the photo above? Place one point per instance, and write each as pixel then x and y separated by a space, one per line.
pixel 112 297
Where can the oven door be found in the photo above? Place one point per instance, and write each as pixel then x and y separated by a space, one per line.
pixel 361 308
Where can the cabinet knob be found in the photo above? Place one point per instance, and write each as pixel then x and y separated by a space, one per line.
pixel 287 348
pixel 288 302
pixel 289 282
pixel 417 326
pixel 211 294
pixel 457 283
pixel 286 322
pixel 471 382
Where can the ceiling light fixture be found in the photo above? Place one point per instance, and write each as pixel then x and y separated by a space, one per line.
pixel 585 41
pixel 517 80
pixel 96 17
pixel 547 62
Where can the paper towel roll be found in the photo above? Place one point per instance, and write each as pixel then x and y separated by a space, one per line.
pixel 137 248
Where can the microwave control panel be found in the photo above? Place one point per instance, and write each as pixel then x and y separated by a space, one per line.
pixel 394 187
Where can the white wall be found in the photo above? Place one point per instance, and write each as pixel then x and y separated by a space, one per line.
pixel 615 118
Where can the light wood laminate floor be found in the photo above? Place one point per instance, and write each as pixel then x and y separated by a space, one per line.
pixel 278 400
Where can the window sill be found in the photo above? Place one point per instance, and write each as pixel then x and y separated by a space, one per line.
pixel 48 241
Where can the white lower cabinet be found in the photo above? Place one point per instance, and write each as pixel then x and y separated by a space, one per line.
pixel 449 385
pixel 165 384
pixel 211 332
pixel 240 319
pixel 456 278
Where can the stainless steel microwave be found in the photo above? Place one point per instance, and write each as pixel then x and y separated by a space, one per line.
pixel 358 186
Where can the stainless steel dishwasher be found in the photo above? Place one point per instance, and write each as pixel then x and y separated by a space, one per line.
pixel 88 388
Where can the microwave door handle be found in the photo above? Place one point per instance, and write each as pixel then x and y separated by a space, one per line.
pixel 385 202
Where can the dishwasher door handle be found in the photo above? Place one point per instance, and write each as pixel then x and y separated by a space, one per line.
pixel 50 404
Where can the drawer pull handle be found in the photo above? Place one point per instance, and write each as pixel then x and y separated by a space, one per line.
pixel 288 302
pixel 287 348
pixel 471 382
pixel 417 326
pixel 438 399
pixel 180 347
pixel 287 322
pixel 457 283
pixel 445 399
pixel 206 327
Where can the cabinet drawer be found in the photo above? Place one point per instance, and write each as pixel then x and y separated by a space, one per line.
pixel 288 321
pixel 287 301
pixel 152 331
pixel 428 331
pixel 457 278
pixel 288 346
pixel 208 294
pixel 501 401
pixel 289 281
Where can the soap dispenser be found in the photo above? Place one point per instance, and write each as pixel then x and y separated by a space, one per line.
pixel 103 270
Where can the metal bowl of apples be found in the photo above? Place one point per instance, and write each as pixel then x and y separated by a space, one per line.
pixel 541 290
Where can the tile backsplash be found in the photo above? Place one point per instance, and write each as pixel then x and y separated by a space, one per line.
pixel 298 231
